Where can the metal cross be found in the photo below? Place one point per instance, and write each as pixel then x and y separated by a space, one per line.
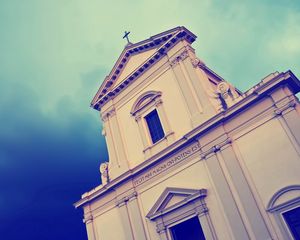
pixel 126 36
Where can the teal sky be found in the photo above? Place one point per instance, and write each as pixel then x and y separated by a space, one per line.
pixel 54 56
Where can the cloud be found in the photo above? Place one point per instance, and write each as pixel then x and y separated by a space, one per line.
pixel 54 56
pixel 48 159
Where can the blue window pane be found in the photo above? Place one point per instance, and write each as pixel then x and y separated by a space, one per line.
pixel 154 125
pixel 292 219
pixel 188 230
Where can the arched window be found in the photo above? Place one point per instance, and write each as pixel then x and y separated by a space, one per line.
pixel 151 119
pixel 285 205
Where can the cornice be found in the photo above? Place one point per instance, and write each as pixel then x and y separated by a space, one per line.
pixel 105 93
pixel 109 113
pixel 261 90
pixel 183 55
pixel 289 105
pixel 215 148
pixel 124 200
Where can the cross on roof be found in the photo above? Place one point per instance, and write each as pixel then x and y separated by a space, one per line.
pixel 126 36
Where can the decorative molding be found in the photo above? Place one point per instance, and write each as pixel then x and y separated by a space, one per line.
pixel 183 55
pixel 159 209
pixel 290 104
pixel 123 201
pixel 104 172
pixel 161 228
pixel 215 148
pixel 272 206
pixel 158 102
pixel 103 132
pixel 196 62
pixel 168 163
pixel 138 118
pixel 164 41
pixel 192 204
pixel 149 97
pixel 202 209
pixel 88 219
pixel 107 114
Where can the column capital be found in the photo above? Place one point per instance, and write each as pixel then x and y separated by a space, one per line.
pixel 160 228
pixel 124 200
pixel 109 113
pixel 216 148
pixel 180 57
pixel 196 62
pixel 137 118
pixel 88 219
pixel 279 110
pixel 158 102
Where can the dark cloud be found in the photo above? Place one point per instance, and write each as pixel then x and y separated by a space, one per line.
pixel 47 160
pixel 53 58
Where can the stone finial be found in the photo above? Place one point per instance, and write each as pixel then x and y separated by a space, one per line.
pixel 104 173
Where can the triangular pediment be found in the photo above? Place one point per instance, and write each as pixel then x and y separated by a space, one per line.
pixel 136 59
pixel 133 63
pixel 173 198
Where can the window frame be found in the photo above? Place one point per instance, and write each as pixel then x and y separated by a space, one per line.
pixel 145 104
pixel 151 130
pixel 170 230
pixel 278 209
pixel 286 223
pixel 193 205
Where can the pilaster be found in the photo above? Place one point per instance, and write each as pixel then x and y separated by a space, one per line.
pixel 162 231
pixel 204 219
pixel 135 217
pixel 198 86
pixel 290 118
pixel 138 119
pixel 90 227
pixel 118 163
pixel 131 217
pixel 184 87
pixel 113 162
pixel 252 215
pixel 235 222
pixel 125 219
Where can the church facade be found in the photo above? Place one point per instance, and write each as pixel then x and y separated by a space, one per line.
pixel 191 156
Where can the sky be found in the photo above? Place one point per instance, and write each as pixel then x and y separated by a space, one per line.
pixel 55 54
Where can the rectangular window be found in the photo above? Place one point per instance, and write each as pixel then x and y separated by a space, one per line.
pixel 188 230
pixel 154 126
pixel 292 219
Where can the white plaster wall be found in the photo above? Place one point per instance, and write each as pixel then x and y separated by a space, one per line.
pixel 109 226
pixel 195 177
pixel 270 158
pixel 134 62
pixel 173 105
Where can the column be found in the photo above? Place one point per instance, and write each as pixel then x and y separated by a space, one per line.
pixel 138 119
pixel 288 111
pixel 164 120
pixel 205 222
pixel 125 220
pixel 185 89
pixel 90 228
pixel 253 215
pixel 163 117
pixel 110 143
pixel 229 206
pixel 115 129
pixel 135 218
pixel 292 119
pixel 199 87
pixel 162 231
